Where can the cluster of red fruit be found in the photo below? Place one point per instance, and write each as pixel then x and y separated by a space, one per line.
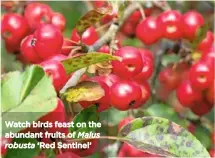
pixel 127 87
pixel 171 25
pixel 194 84
pixel 132 22
pixel 16 27
pixel 197 92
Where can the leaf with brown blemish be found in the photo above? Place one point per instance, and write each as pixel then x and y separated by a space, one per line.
pixel 90 18
pixel 76 63
pixel 163 137
pixel 84 91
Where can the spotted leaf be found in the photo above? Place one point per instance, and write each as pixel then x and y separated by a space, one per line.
pixel 163 137
pixel 85 60
pixel 90 18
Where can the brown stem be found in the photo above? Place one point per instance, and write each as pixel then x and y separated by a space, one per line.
pixel 69 47
pixel 142 12
pixel 163 5
pixel 74 51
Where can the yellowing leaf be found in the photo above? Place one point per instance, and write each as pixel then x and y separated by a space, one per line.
pixel 84 91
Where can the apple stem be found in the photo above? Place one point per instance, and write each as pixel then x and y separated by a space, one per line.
pixel 74 42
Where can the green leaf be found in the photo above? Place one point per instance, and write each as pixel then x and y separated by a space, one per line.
pixel 85 60
pixel 84 91
pixel 49 153
pixel 170 58
pixel 163 137
pixel 109 116
pixel 202 134
pixel 10 91
pixel 122 7
pixel 9 75
pixel 27 97
pixel 165 111
pixel 132 42
pixel 28 153
pixel 200 35
pixel 85 116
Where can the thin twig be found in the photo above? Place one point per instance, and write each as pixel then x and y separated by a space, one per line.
pixel 69 47
pixel 142 12
pixel 163 5
pixel 66 39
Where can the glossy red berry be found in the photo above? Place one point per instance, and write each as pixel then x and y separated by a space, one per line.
pixel 128 29
pixel 102 103
pixel 146 53
pixel 209 57
pixel 170 22
pixel 135 17
pixel 146 92
pixel 27 50
pixel 131 62
pixel 55 70
pixel 58 20
pixel 12 48
pixel 49 40
pixel 37 14
pixel 104 49
pixel 201 76
pixel 110 79
pixel 191 22
pixel 207 42
pixel 107 18
pixel 89 37
pixel 124 121
pixel 125 95
pixel 58 114
pixel 3 142
pixel 186 95
pixel 59 57
pixel 148 66
pixel 201 108
pixel 148 31
pixel 169 78
pixel 65 50
pixel 67 155
pixel 14 28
